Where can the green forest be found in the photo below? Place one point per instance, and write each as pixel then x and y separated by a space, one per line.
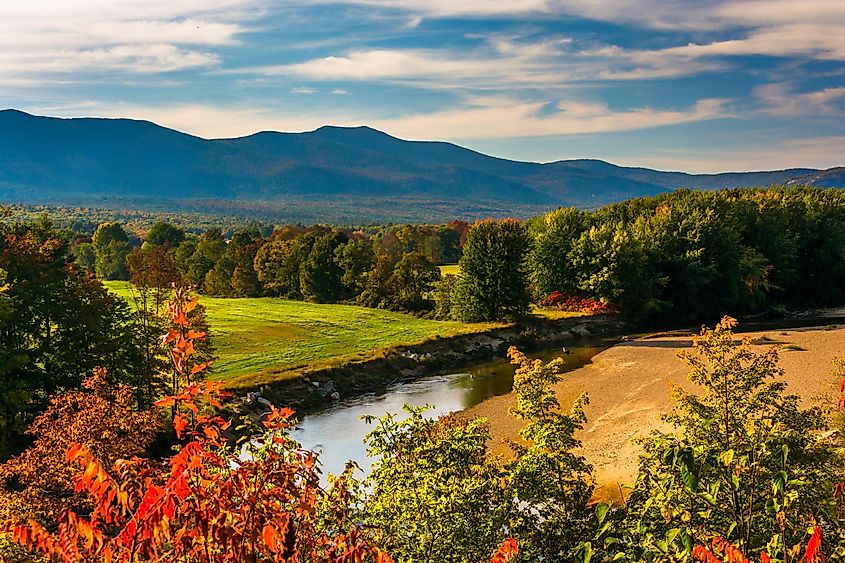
pixel 118 445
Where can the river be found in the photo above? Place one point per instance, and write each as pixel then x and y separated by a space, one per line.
pixel 338 432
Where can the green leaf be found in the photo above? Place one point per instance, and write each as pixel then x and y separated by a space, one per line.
pixel 689 473
pixel 588 552
pixel 601 511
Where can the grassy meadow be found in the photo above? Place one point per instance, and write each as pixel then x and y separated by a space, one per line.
pixel 256 335
pixel 452 269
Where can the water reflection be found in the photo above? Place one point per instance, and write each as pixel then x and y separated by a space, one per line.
pixel 338 432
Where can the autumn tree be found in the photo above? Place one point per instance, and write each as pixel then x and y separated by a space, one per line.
pixel 550 483
pixel 207 503
pixel 101 417
pixel 493 280
pixel 278 263
pixel 152 275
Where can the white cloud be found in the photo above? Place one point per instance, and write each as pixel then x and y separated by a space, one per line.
pixel 303 90
pixel 807 40
pixel 40 37
pixel 780 99
pixel 150 58
pixel 500 63
pixel 501 119
pixel 481 118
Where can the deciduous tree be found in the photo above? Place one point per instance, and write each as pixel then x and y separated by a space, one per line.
pixel 493 280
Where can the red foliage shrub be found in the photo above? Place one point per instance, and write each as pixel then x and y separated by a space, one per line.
pixel 568 301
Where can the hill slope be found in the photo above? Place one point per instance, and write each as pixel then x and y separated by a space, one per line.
pixel 43 158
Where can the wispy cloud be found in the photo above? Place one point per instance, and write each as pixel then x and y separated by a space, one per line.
pixel 781 99
pixel 496 119
pixel 43 37
pixel 481 118
pixel 499 63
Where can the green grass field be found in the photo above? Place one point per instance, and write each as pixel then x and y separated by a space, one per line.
pixel 254 335
pixel 453 269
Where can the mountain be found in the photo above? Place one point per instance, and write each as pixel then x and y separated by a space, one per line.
pixel 830 178
pixel 45 158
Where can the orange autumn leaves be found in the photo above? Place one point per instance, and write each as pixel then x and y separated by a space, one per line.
pixel 723 551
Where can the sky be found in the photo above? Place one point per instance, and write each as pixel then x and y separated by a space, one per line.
pixel 700 86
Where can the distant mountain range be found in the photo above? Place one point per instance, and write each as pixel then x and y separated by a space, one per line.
pixel 87 160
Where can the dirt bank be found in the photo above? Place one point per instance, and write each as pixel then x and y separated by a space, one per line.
pixel 628 386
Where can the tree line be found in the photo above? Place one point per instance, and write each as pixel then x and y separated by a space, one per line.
pixel 682 256
pixel 393 267
pixel 693 255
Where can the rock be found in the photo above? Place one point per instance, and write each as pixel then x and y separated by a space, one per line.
pixel 335 396
pixel 316 384
pixel 327 389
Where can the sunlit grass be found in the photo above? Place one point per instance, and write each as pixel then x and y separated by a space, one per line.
pixel 264 334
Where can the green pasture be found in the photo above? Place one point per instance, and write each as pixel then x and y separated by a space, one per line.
pixel 254 335
pixel 453 269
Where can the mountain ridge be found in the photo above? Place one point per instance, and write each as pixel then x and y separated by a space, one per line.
pixel 123 157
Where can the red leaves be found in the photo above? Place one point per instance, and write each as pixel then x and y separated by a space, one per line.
pixel 271 538
pixel 566 301
pixel 506 552
pixel 725 552
pixel 720 547
pixel 814 547
pixel 179 424
pixel 277 418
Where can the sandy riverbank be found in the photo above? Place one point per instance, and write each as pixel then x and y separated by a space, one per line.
pixel 629 385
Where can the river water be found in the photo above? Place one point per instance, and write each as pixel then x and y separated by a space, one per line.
pixel 338 431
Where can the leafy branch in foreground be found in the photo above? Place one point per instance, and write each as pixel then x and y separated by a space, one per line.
pixel 747 464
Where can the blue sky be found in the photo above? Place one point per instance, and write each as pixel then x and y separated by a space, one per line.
pixel 705 85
